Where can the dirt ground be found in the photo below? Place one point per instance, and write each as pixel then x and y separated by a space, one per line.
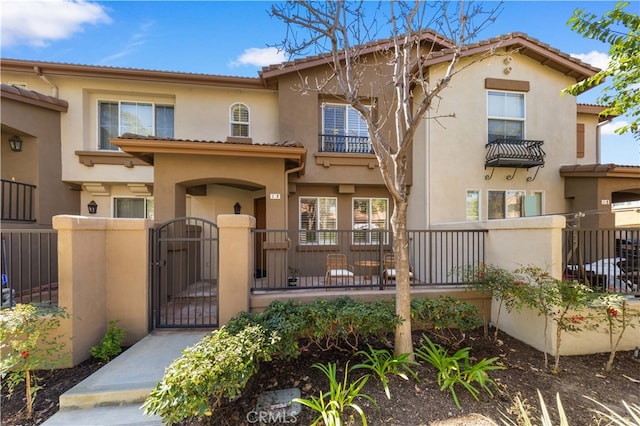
pixel 412 403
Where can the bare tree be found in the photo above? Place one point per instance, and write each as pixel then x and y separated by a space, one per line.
pixel 345 33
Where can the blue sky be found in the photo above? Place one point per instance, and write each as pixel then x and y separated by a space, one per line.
pixel 233 38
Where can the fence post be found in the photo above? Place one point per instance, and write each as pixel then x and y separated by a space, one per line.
pixel 236 264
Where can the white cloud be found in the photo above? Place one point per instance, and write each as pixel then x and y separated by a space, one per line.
pixel 610 128
pixel 255 56
pixel 36 23
pixel 134 44
pixel 594 58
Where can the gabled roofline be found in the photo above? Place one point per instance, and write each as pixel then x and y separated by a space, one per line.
pixel 33 98
pixel 273 71
pixel 528 46
pixel 75 70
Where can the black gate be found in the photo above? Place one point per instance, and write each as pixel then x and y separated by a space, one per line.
pixel 184 274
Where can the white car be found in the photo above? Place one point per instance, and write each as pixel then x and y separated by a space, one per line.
pixel 607 275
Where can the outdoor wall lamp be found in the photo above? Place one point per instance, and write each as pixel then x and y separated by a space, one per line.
pixel 16 143
pixel 93 207
pixel 236 208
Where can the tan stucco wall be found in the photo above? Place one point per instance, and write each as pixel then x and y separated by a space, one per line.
pixel 629 217
pixel 102 276
pixel 527 326
pixel 454 155
pixel 175 172
pixel 201 113
pixel 236 271
pixel 39 162
pixel 511 243
pixel 301 120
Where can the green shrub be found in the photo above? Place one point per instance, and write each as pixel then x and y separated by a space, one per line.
pixel 343 323
pixel 111 344
pixel 339 324
pixel 217 367
pixel 446 317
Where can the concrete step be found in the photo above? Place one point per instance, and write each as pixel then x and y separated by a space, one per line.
pixel 124 383
pixel 114 415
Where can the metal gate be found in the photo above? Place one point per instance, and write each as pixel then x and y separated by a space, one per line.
pixel 184 274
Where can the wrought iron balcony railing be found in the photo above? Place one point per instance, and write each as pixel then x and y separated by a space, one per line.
pixel 343 143
pixel 516 153
pixel 17 201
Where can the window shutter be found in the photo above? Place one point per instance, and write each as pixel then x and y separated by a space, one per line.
pixel 580 141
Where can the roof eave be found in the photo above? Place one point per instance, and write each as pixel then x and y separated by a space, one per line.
pixel 147 148
pixel 92 71
pixel 572 68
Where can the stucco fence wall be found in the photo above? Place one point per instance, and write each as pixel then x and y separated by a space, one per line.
pixel 104 267
pixel 512 243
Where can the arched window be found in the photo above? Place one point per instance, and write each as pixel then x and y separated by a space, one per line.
pixel 239 120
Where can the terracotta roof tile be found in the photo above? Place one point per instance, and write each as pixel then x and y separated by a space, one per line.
pixel 36 98
pixel 133 136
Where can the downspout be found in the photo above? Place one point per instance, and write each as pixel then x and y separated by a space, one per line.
pixel 39 73
pixel 286 187
pixel 599 139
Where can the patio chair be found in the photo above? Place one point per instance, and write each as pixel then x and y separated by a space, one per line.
pixel 389 268
pixel 337 268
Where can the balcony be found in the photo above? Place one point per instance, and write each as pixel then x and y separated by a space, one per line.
pixel 17 201
pixel 514 153
pixel 346 144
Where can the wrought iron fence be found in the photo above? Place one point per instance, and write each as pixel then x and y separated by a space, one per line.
pixel 344 143
pixel 607 260
pixel 302 260
pixel 29 266
pixel 17 201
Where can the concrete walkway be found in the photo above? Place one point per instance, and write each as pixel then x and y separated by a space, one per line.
pixel 114 394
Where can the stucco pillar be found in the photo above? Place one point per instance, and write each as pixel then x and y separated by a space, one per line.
pixel 82 262
pixel 169 199
pixel 236 264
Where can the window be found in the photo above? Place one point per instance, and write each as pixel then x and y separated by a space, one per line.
pixel 533 204
pixel 133 208
pixel 344 129
pixel 318 215
pixel 473 205
pixel 147 119
pixel 239 120
pixel 506 115
pixel 370 214
pixel 505 204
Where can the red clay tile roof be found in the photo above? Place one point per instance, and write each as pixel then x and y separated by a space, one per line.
pixel 33 98
pixel 525 45
pixel 238 141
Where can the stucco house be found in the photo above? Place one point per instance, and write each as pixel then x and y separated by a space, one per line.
pixel 197 144
pixel 121 144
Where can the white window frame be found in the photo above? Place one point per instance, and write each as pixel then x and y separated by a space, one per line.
pixel 506 194
pixel 346 131
pixel 478 194
pixel 522 119
pixel 154 106
pixel 320 234
pixel 147 200
pixel 369 237
pixel 233 122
